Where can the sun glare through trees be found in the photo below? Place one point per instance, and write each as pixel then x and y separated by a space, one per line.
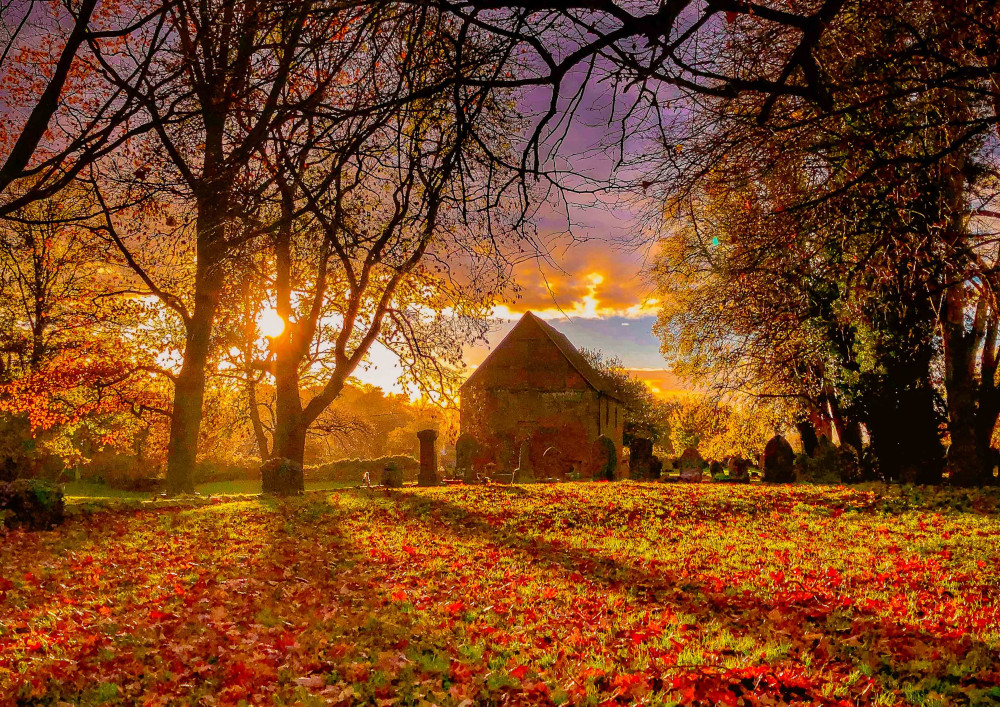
pixel 461 352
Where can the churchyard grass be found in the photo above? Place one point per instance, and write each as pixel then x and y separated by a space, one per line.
pixel 582 593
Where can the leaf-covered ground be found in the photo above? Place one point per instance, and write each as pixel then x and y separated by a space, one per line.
pixel 579 593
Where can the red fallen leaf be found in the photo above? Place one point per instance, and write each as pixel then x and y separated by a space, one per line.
pixel 629 681
pixel 460 672
pixel 409 550
pixel 104 611
pixel 398 595
pixel 239 674
pixel 519 672
pixel 311 681
pixel 178 590
pixel 721 697
pixel 455 607
pixel 156 615
pixel 731 16
pixel 5 584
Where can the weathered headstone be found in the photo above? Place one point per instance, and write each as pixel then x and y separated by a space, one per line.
pixel 465 449
pixel 655 468
pixel 524 473
pixel 553 463
pixel 428 458
pixel 282 477
pixel 779 461
pixel 640 458
pixel 691 465
pixel 392 476
pixel 738 469
pixel 604 459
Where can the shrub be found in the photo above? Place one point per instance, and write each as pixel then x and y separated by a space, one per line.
pixel 830 465
pixel 31 503
pixel 126 472
pixel 209 470
pixel 353 470
pixel 392 475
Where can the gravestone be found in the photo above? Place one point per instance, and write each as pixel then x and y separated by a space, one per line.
pixel 738 469
pixel 465 449
pixel 655 468
pixel 640 458
pixel 524 473
pixel 779 461
pixel 603 459
pixel 553 463
pixel 428 458
pixel 691 465
pixel 716 468
pixel 282 477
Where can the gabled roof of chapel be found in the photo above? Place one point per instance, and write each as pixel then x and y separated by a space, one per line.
pixel 576 359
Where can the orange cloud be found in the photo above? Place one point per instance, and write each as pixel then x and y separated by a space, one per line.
pixel 663 382
pixel 589 280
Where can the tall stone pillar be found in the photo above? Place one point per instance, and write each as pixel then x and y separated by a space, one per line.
pixel 428 458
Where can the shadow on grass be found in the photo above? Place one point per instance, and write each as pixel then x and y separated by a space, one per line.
pixel 814 623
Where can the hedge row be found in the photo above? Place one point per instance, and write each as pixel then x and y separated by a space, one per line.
pixel 353 470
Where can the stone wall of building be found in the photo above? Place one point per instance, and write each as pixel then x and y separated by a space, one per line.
pixel 529 390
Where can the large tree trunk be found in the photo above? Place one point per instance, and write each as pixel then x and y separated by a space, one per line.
pixel 189 386
pixel 964 464
pixel 189 389
pixel 291 425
